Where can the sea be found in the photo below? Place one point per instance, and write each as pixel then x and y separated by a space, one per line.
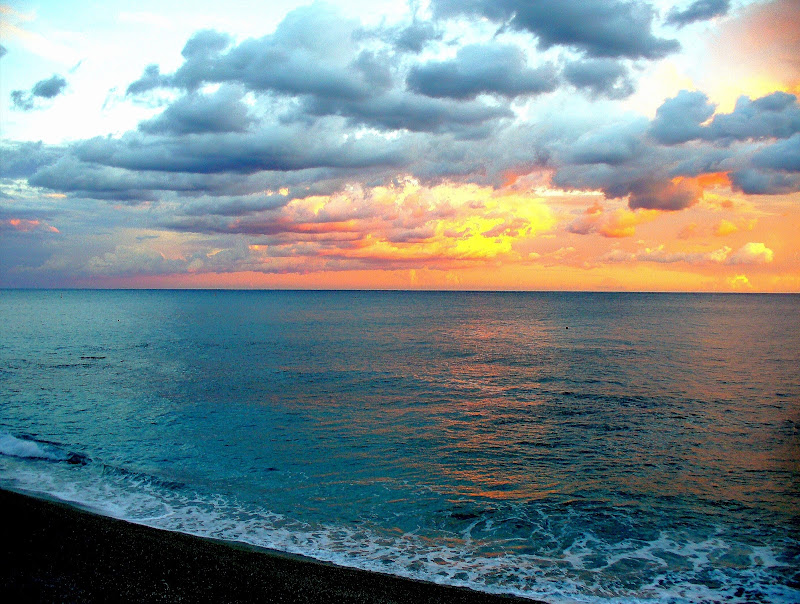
pixel 569 447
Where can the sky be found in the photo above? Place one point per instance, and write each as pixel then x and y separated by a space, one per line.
pixel 442 144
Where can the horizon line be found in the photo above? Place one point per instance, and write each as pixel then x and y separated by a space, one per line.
pixel 401 290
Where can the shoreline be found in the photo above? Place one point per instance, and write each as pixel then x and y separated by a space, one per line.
pixel 55 552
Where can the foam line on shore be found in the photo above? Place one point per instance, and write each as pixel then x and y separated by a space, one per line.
pixel 54 552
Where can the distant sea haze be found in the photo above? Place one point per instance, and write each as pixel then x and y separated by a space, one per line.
pixel 570 447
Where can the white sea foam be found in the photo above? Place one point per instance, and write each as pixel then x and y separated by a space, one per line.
pixel 17 447
pixel 569 579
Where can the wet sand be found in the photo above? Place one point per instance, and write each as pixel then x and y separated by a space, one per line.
pixel 54 553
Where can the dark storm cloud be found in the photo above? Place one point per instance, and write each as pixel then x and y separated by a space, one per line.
pixel 206 43
pixel 262 194
pixel 776 115
pixel 151 78
pixel 601 28
pixel 49 88
pixel 400 110
pixel 313 51
pixel 654 164
pixel 415 37
pixel 622 161
pixel 21 160
pixel 237 206
pixel 700 10
pixel 21 100
pixel 613 145
pixel 33 218
pixel 44 89
pixel 279 148
pixel 69 175
pixel 316 57
pixel 274 225
pixel 782 156
pixel 222 111
pixel 662 195
pixel 759 182
pixel 601 77
pixel 681 118
pixel 482 68
pixel 323 102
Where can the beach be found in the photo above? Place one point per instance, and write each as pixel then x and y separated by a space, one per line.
pixel 52 552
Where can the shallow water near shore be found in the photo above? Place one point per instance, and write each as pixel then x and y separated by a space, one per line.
pixel 564 446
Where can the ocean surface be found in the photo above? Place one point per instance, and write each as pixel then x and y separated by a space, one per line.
pixel 574 447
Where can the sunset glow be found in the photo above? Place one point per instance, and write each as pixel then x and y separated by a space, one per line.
pixel 439 146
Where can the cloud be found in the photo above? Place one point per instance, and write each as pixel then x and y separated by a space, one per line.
pixel 313 51
pixel 128 260
pixel 322 102
pixel 739 282
pixel 25 225
pixel 482 68
pixel 286 147
pixel 682 119
pixel 22 100
pixel 699 10
pixel 773 169
pixel 325 64
pixel 49 88
pixel 618 143
pixel 782 156
pixel 414 37
pixel 775 115
pixel 3 51
pixel 751 253
pixel 661 255
pixel 44 89
pixel 601 28
pixel 661 164
pixel 758 182
pixel 151 78
pixel 68 174
pixel 24 159
pixel 616 224
pixel 619 160
pixel 748 254
pixel 222 111
pixel 660 195
pixel 388 227
pixel 679 119
pixel 725 227
pixel 399 110
pixel 601 77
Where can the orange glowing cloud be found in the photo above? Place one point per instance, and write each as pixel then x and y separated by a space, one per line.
pixel 23 225
pixel 405 224
pixel 713 179
pixel 727 227
pixel 618 223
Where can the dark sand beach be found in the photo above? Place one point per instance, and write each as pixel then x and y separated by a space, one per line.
pixel 55 553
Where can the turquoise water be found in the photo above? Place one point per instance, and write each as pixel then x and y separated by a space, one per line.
pixel 575 447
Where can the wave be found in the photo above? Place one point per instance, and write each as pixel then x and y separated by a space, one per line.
pixel 582 566
pixel 28 448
